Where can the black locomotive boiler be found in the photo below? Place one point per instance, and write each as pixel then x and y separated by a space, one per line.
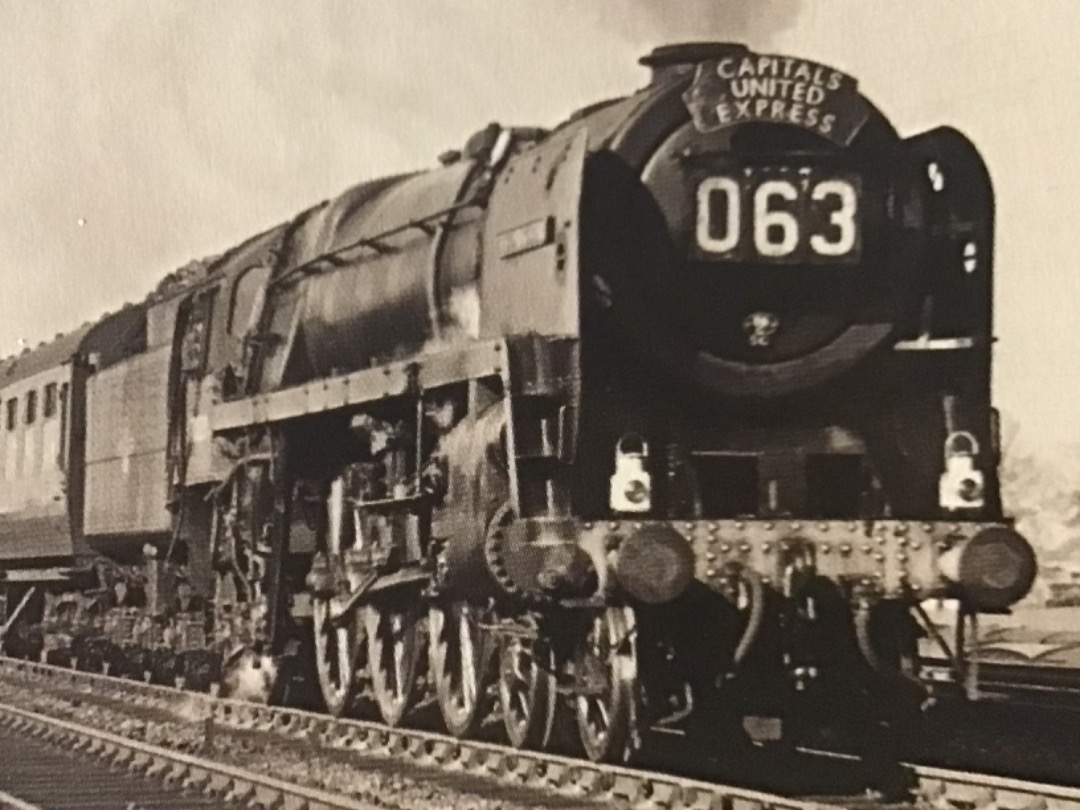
pixel 673 413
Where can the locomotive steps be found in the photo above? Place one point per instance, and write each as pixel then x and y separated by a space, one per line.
pixel 522 776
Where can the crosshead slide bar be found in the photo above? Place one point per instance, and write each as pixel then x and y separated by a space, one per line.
pixel 604 784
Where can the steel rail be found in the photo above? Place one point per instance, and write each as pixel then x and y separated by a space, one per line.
pixel 643 790
pixel 191 773
pixel 9 802
pixel 42 772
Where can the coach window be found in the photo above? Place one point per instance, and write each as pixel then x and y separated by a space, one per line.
pixel 31 407
pixel 12 413
pixel 50 401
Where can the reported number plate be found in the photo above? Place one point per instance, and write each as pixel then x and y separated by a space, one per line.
pixel 788 216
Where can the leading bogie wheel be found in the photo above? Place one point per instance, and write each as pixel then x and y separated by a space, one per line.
pixel 606 669
pixel 527 690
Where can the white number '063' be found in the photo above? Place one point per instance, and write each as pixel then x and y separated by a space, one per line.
pixel 776 231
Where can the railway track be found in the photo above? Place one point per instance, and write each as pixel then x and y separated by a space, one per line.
pixel 52 763
pixel 1032 684
pixel 523 777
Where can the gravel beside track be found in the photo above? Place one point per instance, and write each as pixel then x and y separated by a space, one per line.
pixel 405 768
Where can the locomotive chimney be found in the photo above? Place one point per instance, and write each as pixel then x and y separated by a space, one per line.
pixel 670 61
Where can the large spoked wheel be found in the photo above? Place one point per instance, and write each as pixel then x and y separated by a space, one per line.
pixel 337 655
pixel 607 668
pixel 458 661
pixel 338 644
pixel 394 648
pixel 527 691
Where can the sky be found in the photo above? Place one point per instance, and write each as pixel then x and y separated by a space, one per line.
pixel 136 135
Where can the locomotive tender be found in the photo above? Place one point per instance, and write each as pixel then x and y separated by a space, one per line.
pixel 675 412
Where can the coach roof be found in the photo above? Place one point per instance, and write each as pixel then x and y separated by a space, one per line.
pixel 49 355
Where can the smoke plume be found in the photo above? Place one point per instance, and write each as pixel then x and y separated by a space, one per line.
pixel 654 22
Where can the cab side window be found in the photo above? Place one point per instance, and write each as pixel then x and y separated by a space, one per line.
pixel 12 413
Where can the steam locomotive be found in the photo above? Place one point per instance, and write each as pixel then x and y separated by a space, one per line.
pixel 670 415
